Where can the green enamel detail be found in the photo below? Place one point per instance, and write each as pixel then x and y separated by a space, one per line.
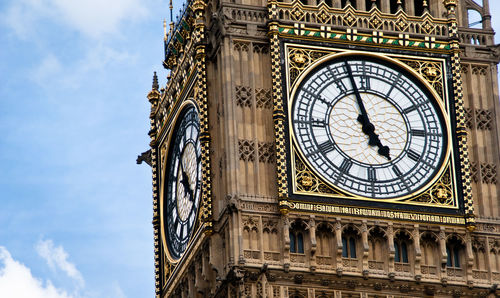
pixel 385 40
pixel 317 34
pixel 281 29
pixel 306 33
pixel 369 39
pixel 396 42
pixel 421 45
pixel 411 43
pixel 291 31
pixel 358 38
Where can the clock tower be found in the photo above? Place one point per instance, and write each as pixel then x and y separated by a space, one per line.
pixel 327 148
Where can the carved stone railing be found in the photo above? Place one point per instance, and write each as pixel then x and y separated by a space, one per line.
pixel 350 18
pixel 251 254
pixel 324 262
pixel 429 271
pixel 376 265
pixel 297 258
pixel 350 265
pixel 402 267
pixel 272 256
pixel 246 14
pixel 480 275
pixel 455 274
pixel 476 37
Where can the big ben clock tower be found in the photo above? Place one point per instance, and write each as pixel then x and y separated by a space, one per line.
pixel 333 148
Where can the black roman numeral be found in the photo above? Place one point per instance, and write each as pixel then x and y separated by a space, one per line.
pixel 410 109
pixel 413 155
pixel 318 122
pixel 417 133
pixel 346 165
pixel 326 147
pixel 397 171
pixel 372 174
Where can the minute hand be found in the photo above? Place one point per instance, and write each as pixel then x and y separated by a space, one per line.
pixel 367 127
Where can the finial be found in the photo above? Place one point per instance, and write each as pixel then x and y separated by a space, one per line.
pixel 155 82
pixel 374 3
pixel 426 8
pixel 348 2
pixel 400 5
pixel 171 7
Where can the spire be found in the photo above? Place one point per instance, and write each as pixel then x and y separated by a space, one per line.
pixel 155 82
pixel 374 4
pixel 171 7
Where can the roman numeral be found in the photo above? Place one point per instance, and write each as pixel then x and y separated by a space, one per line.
pixel 318 122
pixel 372 174
pixel 365 82
pixel 410 109
pixel 397 171
pixel 417 133
pixel 413 155
pixel 346 165
pixel 326 147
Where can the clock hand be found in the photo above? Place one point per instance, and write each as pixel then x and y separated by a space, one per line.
pixel 185 182
pixel 367 127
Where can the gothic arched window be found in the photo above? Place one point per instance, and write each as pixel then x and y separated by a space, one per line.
pixel 401 249
pixel 296 241
pixel 454 250
pixel 349 239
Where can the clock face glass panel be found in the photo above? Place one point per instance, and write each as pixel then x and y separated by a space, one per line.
pixel 182 188
pixel 331 114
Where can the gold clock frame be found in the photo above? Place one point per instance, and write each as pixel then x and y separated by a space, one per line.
pixel 164 159
pixel 440 193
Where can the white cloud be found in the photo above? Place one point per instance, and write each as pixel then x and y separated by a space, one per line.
pixel 17 281
pixel 93 18
pixel 97 17
pixel 57 258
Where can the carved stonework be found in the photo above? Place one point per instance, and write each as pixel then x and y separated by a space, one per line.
pixel 474 171
pixel 244 96
pixel 246 150
pixel 484 119
pixel 469 118
pixel 266 152
pixel 489 173
pixel 479 70
pixel 263 98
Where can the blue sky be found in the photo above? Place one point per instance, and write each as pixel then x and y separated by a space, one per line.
pixel 75 209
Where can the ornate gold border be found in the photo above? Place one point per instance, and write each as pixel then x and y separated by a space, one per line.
pixel 184 105
pixel 395 59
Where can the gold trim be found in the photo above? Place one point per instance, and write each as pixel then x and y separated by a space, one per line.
pixel 391 58
pixel 184 105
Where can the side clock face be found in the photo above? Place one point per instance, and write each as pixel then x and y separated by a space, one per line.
pixel 369 127
pixel 182 188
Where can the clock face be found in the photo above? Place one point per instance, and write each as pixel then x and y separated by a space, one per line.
pixel 182 188
pixel 368 127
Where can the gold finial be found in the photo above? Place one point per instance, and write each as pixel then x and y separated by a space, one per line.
pixel 400 5
pixel 374 3
pixel 426 7
pixel 171 7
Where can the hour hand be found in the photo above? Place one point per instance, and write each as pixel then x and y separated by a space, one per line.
pixel 185 183
pixel 373 138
